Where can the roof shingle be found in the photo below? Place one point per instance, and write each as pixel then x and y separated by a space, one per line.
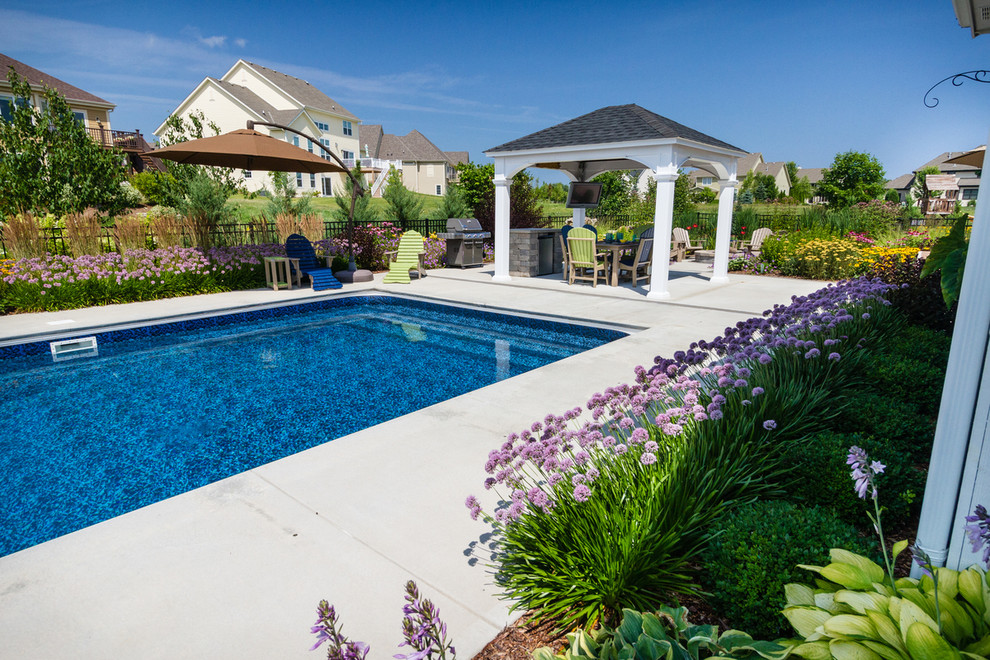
pixel 303 92
pixel 615 123
pixel 38 78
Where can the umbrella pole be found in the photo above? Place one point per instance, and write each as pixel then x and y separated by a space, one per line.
pixel 352 274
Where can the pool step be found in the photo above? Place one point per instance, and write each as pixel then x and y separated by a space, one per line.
pixel 69 349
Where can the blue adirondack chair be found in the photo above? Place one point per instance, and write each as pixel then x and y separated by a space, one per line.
pixel 299 247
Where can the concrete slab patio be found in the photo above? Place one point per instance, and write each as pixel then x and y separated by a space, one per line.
pixel 235 569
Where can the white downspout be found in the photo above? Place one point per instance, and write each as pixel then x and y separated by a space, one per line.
pixel 967 360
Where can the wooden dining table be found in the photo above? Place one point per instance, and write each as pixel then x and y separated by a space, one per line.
pixel 615 251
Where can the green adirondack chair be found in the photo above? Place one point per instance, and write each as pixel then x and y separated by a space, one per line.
pixel 409 256
pixel 584 257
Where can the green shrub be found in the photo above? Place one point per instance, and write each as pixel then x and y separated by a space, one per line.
pixel 903 428
pixel 921 300
pixel 755 552
pixel 820 477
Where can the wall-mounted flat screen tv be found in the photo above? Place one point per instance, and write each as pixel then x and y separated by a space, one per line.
pixel 583 195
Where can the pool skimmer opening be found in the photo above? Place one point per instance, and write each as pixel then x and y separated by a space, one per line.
pixel 70 349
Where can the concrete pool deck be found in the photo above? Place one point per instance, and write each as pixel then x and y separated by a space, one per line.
pixel 235 569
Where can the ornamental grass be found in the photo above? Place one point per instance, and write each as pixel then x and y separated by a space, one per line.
pixel 609 507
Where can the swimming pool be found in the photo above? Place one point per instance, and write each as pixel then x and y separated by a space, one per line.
pixel 166 408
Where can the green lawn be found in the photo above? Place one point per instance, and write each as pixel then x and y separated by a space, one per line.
pixel 248 208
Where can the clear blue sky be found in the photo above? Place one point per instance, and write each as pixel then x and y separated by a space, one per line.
pixel 797 81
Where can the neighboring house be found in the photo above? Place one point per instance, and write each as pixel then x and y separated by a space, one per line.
pixel 967 179
pixel 425 168
pixel 814 176
pixel 90 110
pixel 749 163
pixel 250 91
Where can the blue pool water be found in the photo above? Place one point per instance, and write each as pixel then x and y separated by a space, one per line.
pixel 164 409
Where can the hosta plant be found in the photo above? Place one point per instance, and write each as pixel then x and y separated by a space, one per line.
pixel 853 612
pixel 666 634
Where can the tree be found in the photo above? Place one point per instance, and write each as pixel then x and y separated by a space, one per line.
pixel 48 162
pixel 616 195
pixel 852 178
pixel 170 187
pixel 477 182
pixel 762 186
pixel 402 203
pixel 682 196
pixel 792 172
pixel 282 199
pixel 363 211
pixel 452 205
pixel 920 189
pixel 702 195
pixel 802 190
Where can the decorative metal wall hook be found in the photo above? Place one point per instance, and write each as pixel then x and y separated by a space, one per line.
pixel 980 75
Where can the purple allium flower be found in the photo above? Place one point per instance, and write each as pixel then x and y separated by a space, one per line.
pixel 978 531
pixel 747 402
pixel 715 414
pixel 578 478
pixel 472 504
pixel 835 357
pixel 765 358
pixel 621 449
pixel 639 435
pixel 769 425
pixel 648 458
pixel 866 316
pixel 740 383
pixel 581 493
pixel 555 478
pixel 813 353
pixel 651 446
pixel 592 474
pixel 757 391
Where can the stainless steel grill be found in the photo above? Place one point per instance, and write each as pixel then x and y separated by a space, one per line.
pixel 465 242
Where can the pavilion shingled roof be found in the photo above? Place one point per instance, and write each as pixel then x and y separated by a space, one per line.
pixel 616 123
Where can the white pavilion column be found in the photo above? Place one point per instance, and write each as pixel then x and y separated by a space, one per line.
pixel 663 222
pixel 723 232
pixel 579 217
pixel 501 230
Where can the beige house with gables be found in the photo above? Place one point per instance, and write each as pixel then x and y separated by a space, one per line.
pixel 425 168
pixel 251 91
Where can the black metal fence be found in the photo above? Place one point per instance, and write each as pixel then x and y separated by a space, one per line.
pixel 233 233
pixel 228 234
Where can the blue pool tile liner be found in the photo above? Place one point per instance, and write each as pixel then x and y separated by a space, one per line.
pixel 157 330
pixel 166 408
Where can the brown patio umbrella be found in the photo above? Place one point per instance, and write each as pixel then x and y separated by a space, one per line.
pixel 974 157
pixel 247 150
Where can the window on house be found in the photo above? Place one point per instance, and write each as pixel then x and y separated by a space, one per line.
pixel 970 193
pixel 7 109
pixel 298 179
pixel 80 117
pixel 439 192
pixel 706 180
pixel 348 129
pixel 312 180
pixel 323 127
pixel 309 145
pixel 347 154
pixel 295 140
pixel 246 173
pixel 326 143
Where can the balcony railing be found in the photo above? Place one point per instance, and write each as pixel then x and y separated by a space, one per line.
pixel 125 140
